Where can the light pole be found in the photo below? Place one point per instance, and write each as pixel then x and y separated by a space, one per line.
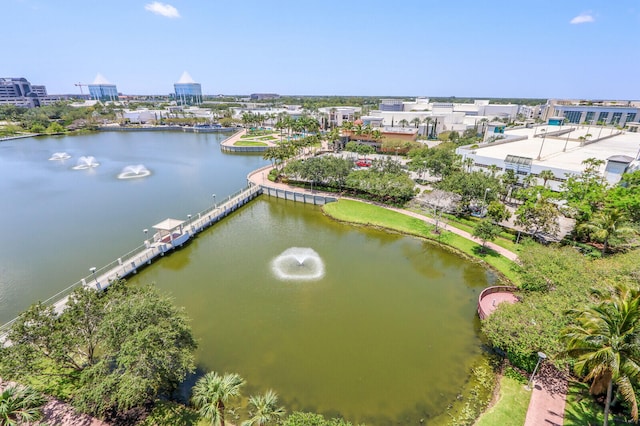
pixel 146 242
pixel 544 135
pixel 484 199
pixel 214 200
pixel 93 272
pixel 541 356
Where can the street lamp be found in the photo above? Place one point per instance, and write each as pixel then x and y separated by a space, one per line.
pixel 541 356
pixel 214 200
pixel 93 271
pixel 544 135
pixel 484 200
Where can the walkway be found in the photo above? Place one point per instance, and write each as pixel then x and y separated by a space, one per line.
pixel 548 399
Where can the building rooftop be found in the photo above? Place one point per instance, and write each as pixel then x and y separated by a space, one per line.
pixel 100 79
pixel 185 78
pixel 566 151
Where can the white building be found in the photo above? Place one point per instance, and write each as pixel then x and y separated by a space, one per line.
pixel 561 149
pixel 339 114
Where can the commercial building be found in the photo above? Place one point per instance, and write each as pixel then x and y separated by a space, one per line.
pixel 391 105
pixel 187 91
pixel 263 96
pixel 617 113
pixel 19 92
pixel 337 115
pixel 102 90
pixel 559 148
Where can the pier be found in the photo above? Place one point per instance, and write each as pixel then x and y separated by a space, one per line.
pixel 171 234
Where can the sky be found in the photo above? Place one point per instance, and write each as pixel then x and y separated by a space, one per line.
pixel 584 49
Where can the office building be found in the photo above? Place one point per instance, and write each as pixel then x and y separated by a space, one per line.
pixel 187 91
pixel 617 113
pixel 19 92
pixel 102 90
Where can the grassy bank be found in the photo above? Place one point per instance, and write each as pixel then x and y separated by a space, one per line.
pixel 379 217
pixel 510 407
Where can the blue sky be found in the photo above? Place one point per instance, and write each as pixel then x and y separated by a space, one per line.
pixel 493 48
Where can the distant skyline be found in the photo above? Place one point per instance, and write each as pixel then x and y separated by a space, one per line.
pixel 496 48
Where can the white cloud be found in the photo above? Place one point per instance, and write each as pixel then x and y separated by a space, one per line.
pixel 583 18
pixel 162 9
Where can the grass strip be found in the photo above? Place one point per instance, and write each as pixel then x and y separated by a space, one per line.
pixel 249 143
pixel 511 406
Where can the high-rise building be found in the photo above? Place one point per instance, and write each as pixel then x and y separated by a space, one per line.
pixel 19 92
pixel 102 90
pixel 187 91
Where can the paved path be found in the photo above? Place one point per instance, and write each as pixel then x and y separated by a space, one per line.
pixel 546 408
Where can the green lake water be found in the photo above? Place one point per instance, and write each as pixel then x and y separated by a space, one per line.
pixel 386 336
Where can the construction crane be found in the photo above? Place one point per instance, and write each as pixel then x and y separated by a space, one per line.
pixel 78 84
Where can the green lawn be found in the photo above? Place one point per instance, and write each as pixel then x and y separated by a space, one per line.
pixel 371 215
pixel 504 240
pixel 511 407
pixel 249 143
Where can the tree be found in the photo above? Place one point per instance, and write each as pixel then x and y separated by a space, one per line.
pixel 212 392
pixel 586 192
pixel 538 216
pixel 19 405
pixel 298 418
pixel 55 128
pixel 546 175
pixel 607 224
pixel 122 347
pixel 265 409
pixel 604 342
pixel 403 123
pixel 626 195
pixel 416 121
pixel 486 231
pixel 497 211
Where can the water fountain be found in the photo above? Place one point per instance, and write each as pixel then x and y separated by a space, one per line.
pixel 298 264
pixel 86 163
pixel 59 156
pixel 134 172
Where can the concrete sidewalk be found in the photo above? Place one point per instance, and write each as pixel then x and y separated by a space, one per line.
pixel 547 404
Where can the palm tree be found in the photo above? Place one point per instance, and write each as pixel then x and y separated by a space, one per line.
pixel 212 392
pixel 603 340
pixel 265 409
pixel 19 405
pixel 606 224
pixel 416 122
pixel 545 175
pixel 403 122
pixel 428 120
